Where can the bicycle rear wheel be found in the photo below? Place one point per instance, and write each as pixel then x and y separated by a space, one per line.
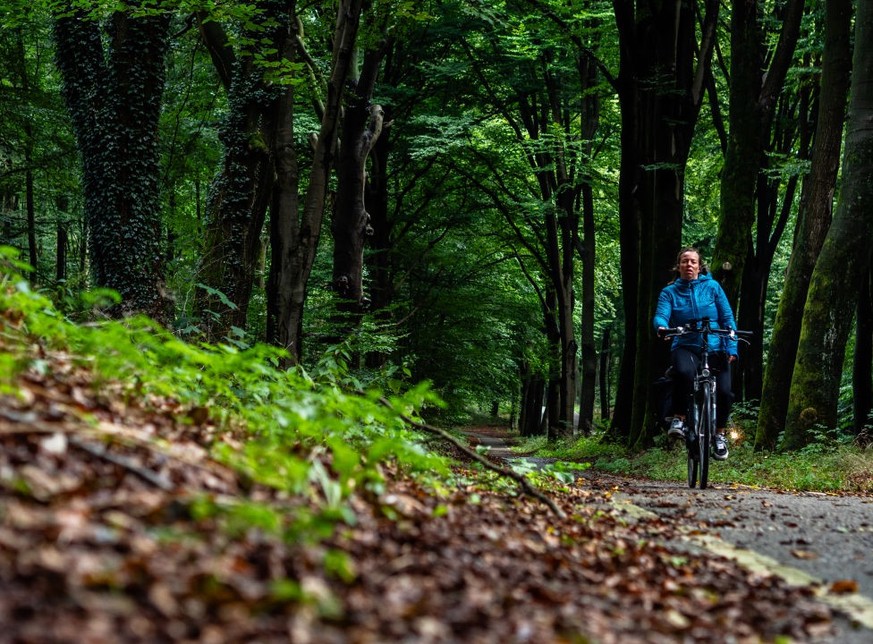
pixel 704 436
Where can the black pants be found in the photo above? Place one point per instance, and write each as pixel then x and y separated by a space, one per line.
pixel 685 363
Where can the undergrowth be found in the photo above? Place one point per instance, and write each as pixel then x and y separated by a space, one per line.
pixel 313 435
pixel 822 466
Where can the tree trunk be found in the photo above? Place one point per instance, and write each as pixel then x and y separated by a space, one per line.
pixel 791 136
pixel 845 255
pixel 605 359
pixel 661 87
pixel 293 255
pixel 350 226
pixel 753 100
pixel 813 221
pixel 862 372
pixel 379 258
pixel 114 99
pixel 238 198
pixel 534 387
pixel 590 122
pixel 61 254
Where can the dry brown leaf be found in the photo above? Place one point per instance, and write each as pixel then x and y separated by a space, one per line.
pixel 844 586
pixel 804 554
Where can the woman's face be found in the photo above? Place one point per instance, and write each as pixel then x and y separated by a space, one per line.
pixel 689 265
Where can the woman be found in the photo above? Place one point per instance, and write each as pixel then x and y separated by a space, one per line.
pixel 694 295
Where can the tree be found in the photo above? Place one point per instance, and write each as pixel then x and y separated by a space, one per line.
pixel 813 220
pixel 844 259
pixel 753 100
pixel 241 191
pixel 862 366
pixel 114 99
pixel 294 231
pixel 661 85
pixel 350 226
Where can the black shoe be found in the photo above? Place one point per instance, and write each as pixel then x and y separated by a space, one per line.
pixel 721 449
pixel 677 429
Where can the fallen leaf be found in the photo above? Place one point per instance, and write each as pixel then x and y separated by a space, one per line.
pixel 844 586
pixel 804 554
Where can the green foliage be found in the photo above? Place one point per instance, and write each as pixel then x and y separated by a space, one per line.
pixel 304 434
pixel 823 467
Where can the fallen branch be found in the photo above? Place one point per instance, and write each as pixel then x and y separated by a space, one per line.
pixel 522 481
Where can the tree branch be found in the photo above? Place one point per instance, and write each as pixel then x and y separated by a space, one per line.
pixel 522 481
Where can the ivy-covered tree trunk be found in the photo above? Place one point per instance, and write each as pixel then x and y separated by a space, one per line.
pixel 813 221
pixel 660 86
pixel 294 254
pixel 844 257
pixel 753 100
pixel 114 99
pixel 240 194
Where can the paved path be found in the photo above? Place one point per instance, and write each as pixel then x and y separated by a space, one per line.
pixel 805 538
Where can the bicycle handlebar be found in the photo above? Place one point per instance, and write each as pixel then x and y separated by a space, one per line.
pixel 701 326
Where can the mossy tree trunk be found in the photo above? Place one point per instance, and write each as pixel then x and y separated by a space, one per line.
pixel 845 256
pixel 862 368
pixel 113 94
pixel 813 221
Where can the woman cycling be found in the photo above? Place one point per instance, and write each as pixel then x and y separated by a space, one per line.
pixel 691 297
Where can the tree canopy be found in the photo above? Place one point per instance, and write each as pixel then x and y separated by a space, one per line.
pixel 484 195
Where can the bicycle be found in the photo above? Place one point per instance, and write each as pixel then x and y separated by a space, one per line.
pixel 700 420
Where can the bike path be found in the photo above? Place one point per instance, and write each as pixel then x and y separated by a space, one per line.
pixel 807 539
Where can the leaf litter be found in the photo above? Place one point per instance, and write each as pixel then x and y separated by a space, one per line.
pixel 101 541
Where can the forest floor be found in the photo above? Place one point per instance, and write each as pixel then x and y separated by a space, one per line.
pixel 100 542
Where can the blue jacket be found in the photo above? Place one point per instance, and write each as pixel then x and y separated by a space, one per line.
pixel 687 300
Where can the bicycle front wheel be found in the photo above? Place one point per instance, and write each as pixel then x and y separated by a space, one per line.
pixel 693 460
pixel 704 435
pixel 691 446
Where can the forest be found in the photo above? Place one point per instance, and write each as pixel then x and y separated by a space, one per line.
pixel 484 196
pixel 291 289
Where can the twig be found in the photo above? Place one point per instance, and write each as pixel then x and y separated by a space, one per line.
pixel 101 452
pixel 522 481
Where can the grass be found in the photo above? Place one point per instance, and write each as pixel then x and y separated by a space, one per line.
pixel 821 467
